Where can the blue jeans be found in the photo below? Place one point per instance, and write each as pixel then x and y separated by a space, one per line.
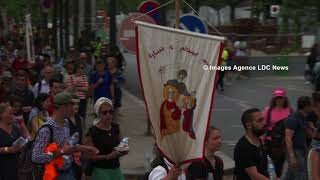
pixel 298 173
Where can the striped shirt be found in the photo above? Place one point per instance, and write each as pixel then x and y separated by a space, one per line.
pixel 80 82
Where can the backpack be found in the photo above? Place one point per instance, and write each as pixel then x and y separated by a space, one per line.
pixel 159 161
pixel 27 170
pixel 276 146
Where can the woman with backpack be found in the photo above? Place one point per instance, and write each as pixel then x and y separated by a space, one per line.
pixel 38 114
pixel 275 116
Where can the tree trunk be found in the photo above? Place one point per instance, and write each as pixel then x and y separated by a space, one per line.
pixel 75 22
pixel 87 22
pixel 61 28
pixel 66 25
pixel 318 10
pixel 4 18
pixel 113 28
pixel 55 30
pixel 232 13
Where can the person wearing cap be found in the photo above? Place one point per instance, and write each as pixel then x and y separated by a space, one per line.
pixel 296 141
pixel 105 135
pixel 60 134
pixel 275 116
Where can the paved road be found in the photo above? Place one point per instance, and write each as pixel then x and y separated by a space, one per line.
pixel 240 95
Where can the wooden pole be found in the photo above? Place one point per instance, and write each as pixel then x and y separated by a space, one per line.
pixel 177 14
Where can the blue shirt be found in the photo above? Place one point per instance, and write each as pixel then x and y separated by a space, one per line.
pixel 103 90
pixel 297 123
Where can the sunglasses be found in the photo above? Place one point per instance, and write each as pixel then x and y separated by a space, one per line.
pixel 107 112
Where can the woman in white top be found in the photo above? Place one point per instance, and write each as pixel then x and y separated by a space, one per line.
pixel 161 173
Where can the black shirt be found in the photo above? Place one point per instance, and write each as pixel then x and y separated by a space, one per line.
pixel 203 169
pixel 312 118
pixel 76 127
pixel 106 141
pixel 248 155
pixel 8 162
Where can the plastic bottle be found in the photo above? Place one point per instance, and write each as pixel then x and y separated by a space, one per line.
pixel 125 141
pixel 147 162
pixel 271 169
pixel 74 139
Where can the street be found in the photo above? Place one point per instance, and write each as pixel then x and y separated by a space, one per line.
pixel 237 97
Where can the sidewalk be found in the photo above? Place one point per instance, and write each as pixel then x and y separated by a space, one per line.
pixel 133 125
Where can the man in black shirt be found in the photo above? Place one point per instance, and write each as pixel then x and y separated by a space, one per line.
pixel 296 141
pixel 211 167
pixel 22 91
pixel 313 116
pixel 250 159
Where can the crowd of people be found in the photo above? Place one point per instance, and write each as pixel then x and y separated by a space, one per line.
pixel 45 103
pixel 43 106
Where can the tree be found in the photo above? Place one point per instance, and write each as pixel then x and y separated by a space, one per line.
pixel 16 10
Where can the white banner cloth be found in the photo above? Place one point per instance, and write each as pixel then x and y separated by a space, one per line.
pixel 178 91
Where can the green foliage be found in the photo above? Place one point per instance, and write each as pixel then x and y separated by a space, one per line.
pixel 18 8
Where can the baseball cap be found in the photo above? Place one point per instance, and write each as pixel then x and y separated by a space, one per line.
pixel 279 92
pixel 62 98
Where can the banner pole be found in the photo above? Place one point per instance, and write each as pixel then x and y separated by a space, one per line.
pixel 177 14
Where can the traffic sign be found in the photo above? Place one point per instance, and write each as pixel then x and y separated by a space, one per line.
pixel 148 6
pixel 127 34
pixel 193 23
